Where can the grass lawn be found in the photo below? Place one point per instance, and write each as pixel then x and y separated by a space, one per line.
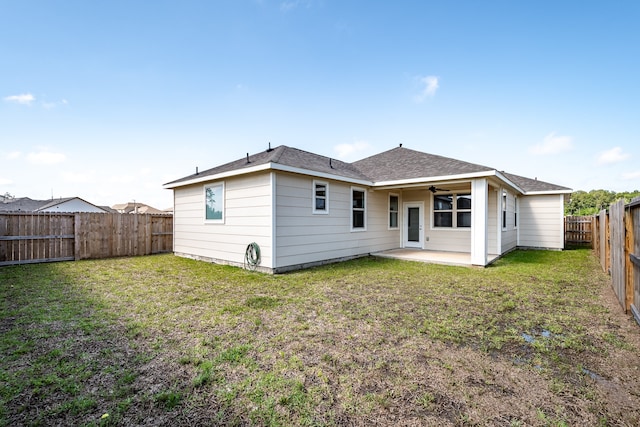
pixel 535 339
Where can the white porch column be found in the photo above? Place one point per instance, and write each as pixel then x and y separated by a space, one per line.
pixel 479 223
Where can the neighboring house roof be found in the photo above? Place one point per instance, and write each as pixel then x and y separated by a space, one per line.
pixel 149 210
pixel 108 209
pixel 136 207
pixel 25 204
pixel 53 203
pixel 397 164
pixel 21 204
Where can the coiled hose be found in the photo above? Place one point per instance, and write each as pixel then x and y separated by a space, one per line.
pixel 252 256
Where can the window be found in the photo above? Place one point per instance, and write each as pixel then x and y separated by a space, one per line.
pixel 443 210
pixel 358 209
pixel 504 209
pixel 214 202
pixel 463 210
pixel 320 197
pixel 452 210
pixel 393 211
pixel 515 213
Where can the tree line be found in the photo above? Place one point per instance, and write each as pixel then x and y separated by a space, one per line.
pixel 592 202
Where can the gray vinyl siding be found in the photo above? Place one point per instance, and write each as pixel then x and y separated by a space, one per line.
pixel 541 221
pixel 247 219
pixel 304 237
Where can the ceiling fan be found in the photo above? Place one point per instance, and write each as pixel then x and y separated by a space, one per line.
pixel 433 189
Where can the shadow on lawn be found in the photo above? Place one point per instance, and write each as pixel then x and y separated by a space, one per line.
pixel 68 360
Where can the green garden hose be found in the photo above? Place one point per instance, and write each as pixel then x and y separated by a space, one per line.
pixel 252 256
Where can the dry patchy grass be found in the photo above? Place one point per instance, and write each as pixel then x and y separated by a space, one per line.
pixel 536 339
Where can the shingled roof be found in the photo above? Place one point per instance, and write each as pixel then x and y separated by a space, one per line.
pixel 396 164
pixel 286 156
pixel 532 185
pixel 402 163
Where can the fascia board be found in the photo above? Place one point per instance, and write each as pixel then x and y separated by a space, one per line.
pixel 509 182
pixel 291 169
pixel 542 193
pixel 423 180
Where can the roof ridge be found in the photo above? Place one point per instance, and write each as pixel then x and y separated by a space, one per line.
pixel 279 150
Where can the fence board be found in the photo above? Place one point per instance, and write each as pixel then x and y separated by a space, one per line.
pixel 634 257
pixel 617 237
pixel 44 237
pixel 578 230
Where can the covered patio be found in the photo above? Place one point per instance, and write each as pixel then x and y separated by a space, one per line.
pixel 433 257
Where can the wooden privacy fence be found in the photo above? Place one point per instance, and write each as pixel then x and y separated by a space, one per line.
pixel 44 237
pixel 617 245
pixel 578 230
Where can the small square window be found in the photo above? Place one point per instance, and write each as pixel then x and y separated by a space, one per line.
pixel 320 197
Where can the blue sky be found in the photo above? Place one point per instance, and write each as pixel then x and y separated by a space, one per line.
pixel 108 100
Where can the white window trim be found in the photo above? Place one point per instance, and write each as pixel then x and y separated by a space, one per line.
pixel 454 211
pixel 389 227
pixel 516 213
pixel 364 191
pixel 326 198
pixel 224 196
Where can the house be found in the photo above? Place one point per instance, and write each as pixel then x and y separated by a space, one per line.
pixel 67 204
pixel 136 207
pixel 304 209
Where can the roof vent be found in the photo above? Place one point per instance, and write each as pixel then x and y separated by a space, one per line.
pixel 401 145
pixel 196 170
pixel 269 149
pixel 330 163
pixel 248 161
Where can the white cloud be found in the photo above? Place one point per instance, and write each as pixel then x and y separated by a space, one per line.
pixel 349 151
pixel 45 157
pixel 553 144
pixel 54 104
pixel 615 155
pixel 631 175
pixel 428 87
pixel 24 99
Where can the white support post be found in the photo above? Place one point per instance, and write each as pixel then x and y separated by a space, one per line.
pixel 479 224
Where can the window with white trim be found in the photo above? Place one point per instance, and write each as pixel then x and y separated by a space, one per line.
pixel 214 202
pixel 452 210
pixel 463 210
pixel 393 211
pixel 358 209
pixel 504 210
pixel 320 197
pixel 515 212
